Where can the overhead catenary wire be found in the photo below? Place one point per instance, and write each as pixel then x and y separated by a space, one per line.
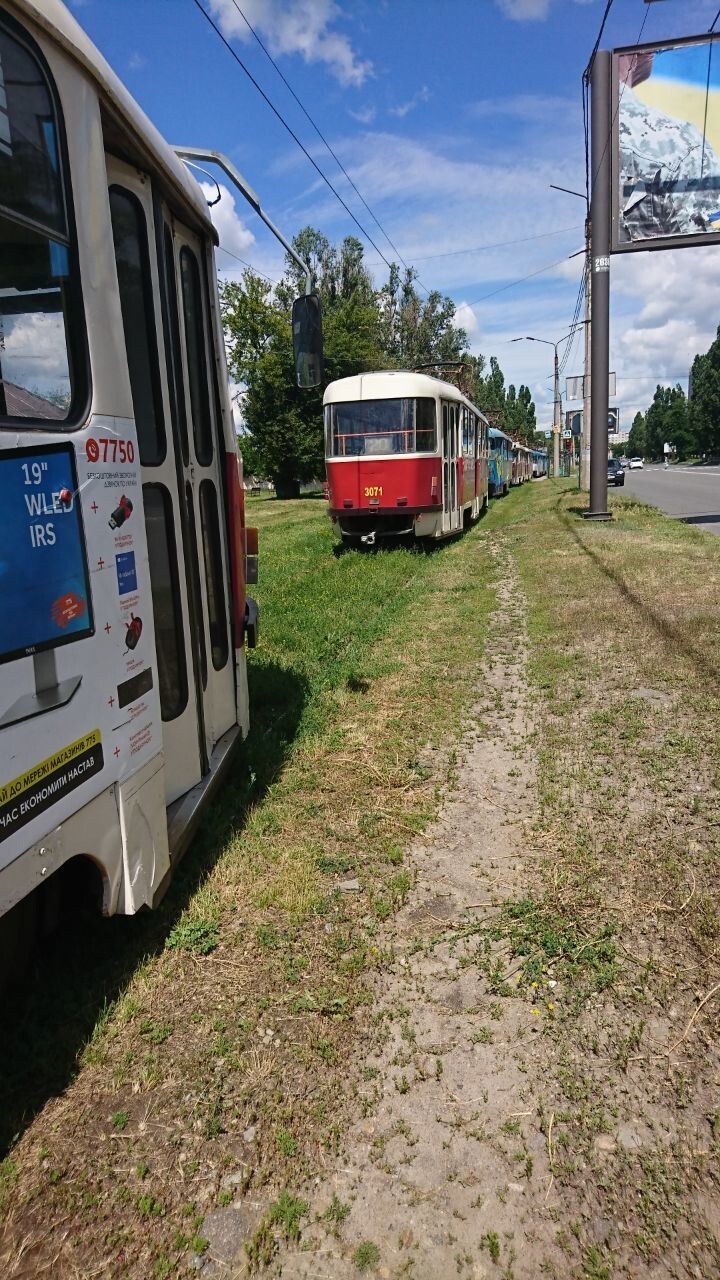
pixel 513 284
pixel 290 130
pixel 500 244
pixel 249 265
pixel 319 133
pixel 586 83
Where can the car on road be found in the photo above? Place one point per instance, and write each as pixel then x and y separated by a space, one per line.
pixel 635 464
pixel 616 475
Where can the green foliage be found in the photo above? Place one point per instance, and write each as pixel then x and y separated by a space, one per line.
pixel 637 441
pixel 286 1214
pixel 667 421
pixel 705 403
pixel 364 328
pixel 491 1242
pixel 366 1255
pixel 199 935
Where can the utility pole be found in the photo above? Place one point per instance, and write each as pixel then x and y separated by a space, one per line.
pixel 600 213
pixel 556 419
pixel 585 435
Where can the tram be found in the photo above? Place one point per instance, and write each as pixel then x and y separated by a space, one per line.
pixel 406 456
pixel 125 555
pixel 521 463
pixel 539 463
pixel 501 462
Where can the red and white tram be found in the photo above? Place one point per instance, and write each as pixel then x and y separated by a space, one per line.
pixel 406 455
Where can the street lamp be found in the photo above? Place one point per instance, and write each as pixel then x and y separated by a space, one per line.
pixel 557 410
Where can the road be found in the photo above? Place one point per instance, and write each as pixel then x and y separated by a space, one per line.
pixel 690 493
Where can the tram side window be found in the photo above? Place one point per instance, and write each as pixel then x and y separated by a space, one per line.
pixel 197 612
pixel 212 555
pixel 198 373
pixel 425 426
pixel 162 553
pixel 173 359
pixel 133 267
pixel 40 301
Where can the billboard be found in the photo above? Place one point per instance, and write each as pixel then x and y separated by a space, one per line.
pixel 575 387
pixel 666 144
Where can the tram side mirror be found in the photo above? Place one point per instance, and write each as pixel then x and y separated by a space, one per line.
pixel 308 340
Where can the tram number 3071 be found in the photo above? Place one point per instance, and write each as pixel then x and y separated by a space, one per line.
pixel 373 491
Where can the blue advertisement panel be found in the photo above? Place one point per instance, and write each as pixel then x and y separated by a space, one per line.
pixel 44 586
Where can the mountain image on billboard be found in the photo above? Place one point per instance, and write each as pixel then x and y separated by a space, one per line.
pixel 668 144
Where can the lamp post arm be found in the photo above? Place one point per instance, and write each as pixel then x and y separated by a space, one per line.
pixel 233 173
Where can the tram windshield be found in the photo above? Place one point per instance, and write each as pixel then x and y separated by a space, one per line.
pixel 362 427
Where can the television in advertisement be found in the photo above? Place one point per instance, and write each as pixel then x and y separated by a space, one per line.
pixel 43 566
pixel 666 144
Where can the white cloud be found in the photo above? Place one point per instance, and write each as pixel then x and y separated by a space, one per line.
pixel 234 234
pixel 525 106
pixel 365 115
pixel 301 27
pixel 466 319
pixel 404 108
pixel 525 10
pixel 136 61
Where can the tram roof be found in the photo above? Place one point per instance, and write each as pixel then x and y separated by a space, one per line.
pixel 496 434
pixel 389 384
pixel 55 20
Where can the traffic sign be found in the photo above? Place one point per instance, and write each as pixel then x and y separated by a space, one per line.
pixel 613 421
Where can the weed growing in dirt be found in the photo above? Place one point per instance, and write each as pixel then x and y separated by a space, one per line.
pixel 366 1256
pixel 198 936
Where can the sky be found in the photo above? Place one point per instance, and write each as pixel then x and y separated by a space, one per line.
pixel 452 117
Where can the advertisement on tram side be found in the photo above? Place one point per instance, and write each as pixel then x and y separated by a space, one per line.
pixel 79 707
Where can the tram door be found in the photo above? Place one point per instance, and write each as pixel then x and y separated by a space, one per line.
pixel 164 300
pixel 450 432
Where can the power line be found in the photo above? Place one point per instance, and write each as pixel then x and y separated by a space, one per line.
pixel 320 135
pixel 512 284
pixel 292 133
pixel 501 244
pixel 251 267
pixel 596 46
pixel 586 82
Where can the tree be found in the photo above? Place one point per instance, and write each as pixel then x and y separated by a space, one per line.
pixel 416 332
pixel 704 415
pixel 636 439
pixel 667 422
pixel 364 329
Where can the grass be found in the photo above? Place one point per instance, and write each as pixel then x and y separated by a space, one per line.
pixel 623 913
pixel 247 986
pixel 367 1256
pixel 232 1011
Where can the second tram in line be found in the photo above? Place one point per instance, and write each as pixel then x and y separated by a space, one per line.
pixel 407 454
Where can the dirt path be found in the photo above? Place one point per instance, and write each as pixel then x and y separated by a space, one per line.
pixel 441 1172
